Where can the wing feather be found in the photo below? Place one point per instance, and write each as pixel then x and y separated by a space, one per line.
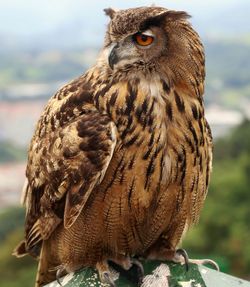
pixel 98 156
pixel 68 157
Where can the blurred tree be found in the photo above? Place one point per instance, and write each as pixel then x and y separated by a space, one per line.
pixel 10 219
pixel 9 152
pixel 235 144
pixel 224 228
pixel 14 272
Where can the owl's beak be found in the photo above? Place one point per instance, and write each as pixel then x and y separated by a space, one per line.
pixel 113 57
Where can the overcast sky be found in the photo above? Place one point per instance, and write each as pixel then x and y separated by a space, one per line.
pixel 39 21
pixel 29 16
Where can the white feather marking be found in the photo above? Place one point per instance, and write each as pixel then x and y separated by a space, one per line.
pixel 114 140
pixel 148 33
pixel 24 192
pixel 151 87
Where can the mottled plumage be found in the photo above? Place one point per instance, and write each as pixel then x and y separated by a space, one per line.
pixel 120 161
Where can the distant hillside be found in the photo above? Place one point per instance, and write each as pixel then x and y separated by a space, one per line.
pixel 228 76
pixel 38 66
pixel 40 73
pixel 11 153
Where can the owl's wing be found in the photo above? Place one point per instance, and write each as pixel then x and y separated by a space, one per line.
pixel 96 144
pixel 64 167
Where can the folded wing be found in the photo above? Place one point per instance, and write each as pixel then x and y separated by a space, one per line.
pixel 63 169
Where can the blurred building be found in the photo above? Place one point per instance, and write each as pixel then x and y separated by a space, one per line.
pixel 222 120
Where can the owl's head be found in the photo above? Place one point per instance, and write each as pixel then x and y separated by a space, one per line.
pixel 153 38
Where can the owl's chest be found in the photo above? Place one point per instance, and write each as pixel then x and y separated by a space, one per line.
pixel 140 161
pixel 139 115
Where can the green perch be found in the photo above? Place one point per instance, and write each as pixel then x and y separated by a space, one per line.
pixel 157 274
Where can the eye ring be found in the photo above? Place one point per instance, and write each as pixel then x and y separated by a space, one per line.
pixel 142 39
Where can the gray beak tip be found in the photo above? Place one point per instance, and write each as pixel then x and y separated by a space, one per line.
pixel 113 58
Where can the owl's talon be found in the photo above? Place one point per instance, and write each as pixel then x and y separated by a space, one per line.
pixel 105 274
pixel 182 252
pixel 58 275
pixel 107 278
pixel 140 269
pixel 205 262
pixel 58 281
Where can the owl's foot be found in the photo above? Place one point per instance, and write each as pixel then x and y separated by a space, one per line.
pixel 125 263
pixel 106 275
pixel 178 256
pixel 181 256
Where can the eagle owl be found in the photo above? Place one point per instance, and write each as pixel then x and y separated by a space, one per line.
pixel 119 164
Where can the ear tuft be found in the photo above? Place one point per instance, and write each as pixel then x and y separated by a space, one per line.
pixel 167 15
pixel 178 15
pixel 110 12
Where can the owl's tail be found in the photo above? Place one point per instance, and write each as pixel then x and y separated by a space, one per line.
pixel 46 271
pixel 20 249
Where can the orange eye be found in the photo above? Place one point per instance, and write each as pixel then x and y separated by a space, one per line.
pixel 143 39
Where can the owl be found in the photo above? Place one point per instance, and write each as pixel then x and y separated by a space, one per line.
pixel 119 164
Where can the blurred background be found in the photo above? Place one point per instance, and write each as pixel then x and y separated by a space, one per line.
pixel 44 44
